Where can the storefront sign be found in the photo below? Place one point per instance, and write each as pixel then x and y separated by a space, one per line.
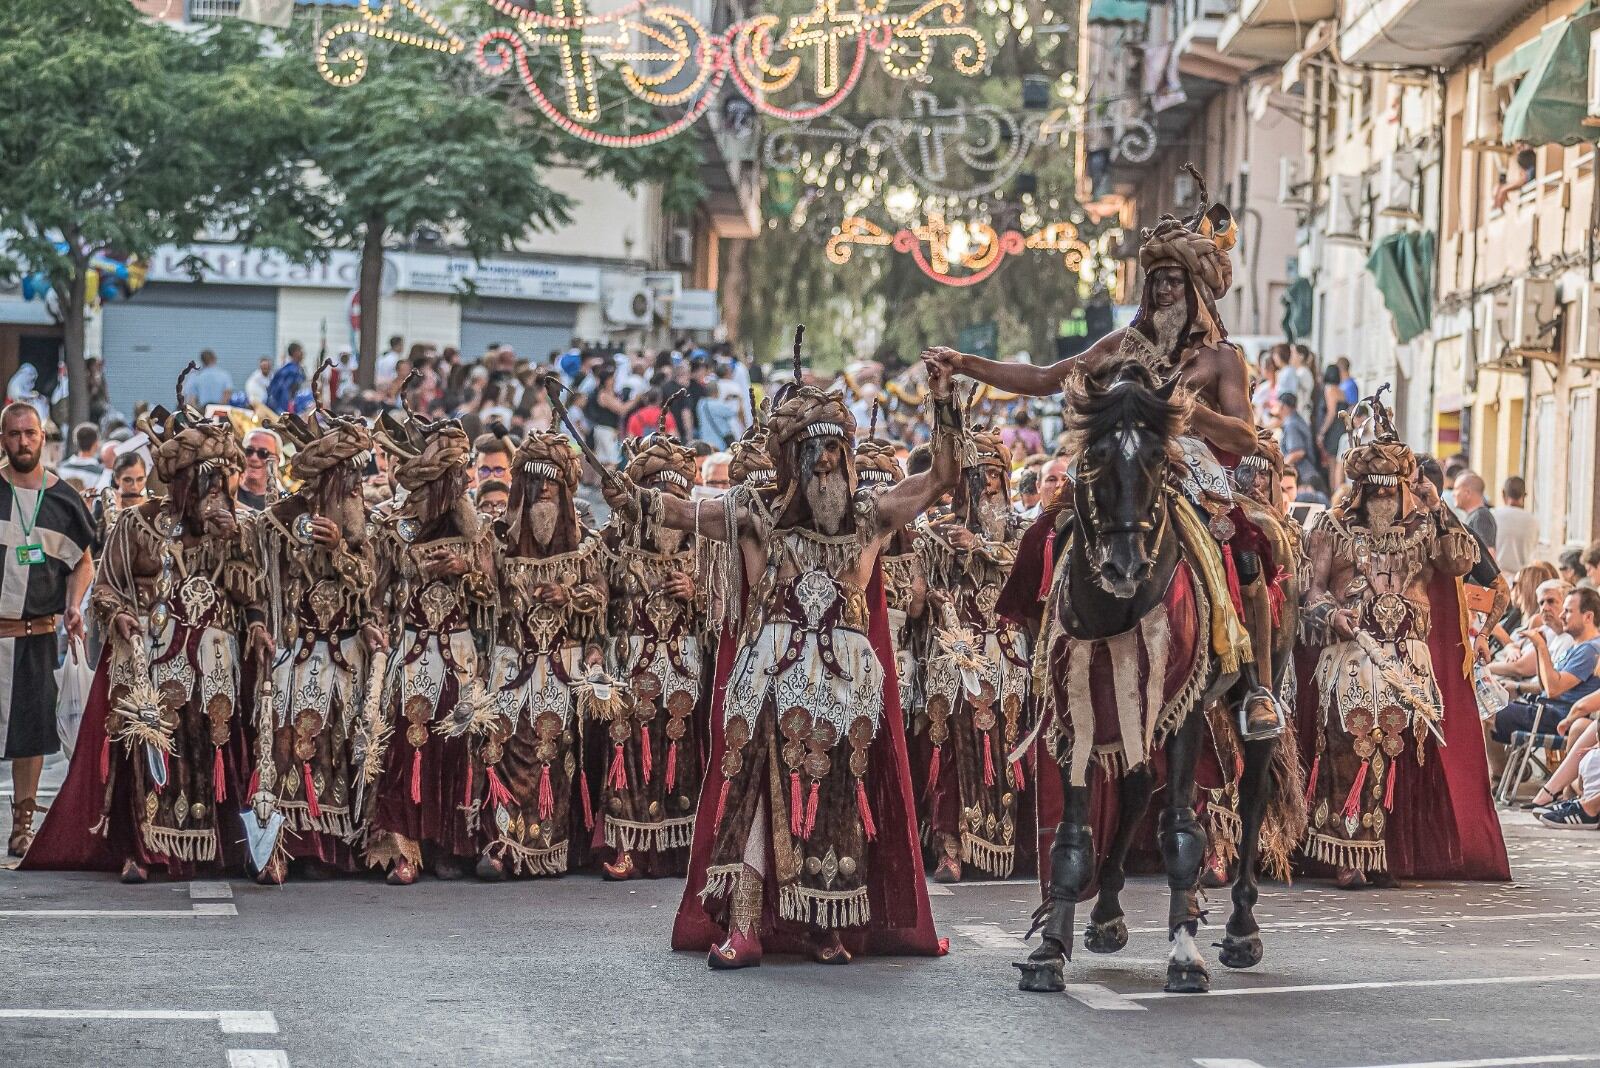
pixel 695 309
pixel 518 279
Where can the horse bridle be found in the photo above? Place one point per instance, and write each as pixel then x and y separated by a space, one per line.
pixel 1151 530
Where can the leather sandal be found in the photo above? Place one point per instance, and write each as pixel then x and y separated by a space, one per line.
pixel 21 826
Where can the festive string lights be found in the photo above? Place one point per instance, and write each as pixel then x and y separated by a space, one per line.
pixel 937 247
pixel 667 58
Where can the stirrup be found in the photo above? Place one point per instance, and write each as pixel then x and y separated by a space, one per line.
pixel 1255 726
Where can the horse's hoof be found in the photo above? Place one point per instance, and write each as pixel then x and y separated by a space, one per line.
pixel 1240 951
pixel 1188 978
pixel 1108 937
pixel 1042 976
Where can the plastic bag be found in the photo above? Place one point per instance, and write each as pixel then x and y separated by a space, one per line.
pixel 1492 694
pixel 73 681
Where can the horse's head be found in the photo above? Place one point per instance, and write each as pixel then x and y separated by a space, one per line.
pixel 1122 423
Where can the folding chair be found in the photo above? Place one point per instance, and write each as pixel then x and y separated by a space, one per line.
pixel 1521 749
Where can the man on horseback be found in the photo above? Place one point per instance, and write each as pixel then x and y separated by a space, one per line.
pixel 1177 332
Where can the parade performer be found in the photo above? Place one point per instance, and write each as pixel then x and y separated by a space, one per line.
pixel 552 616
pixel 654 742
pixel 878 468
pixel 436 569
pixel 1372 558
pixel 324 612
pixel 805 837
pixel 179 584
pixel 977 672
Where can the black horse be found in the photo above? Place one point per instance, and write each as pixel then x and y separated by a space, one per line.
pixel 1124 552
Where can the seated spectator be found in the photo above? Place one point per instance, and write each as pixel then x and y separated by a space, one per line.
pixel 1569 566
pixel 1591 567
pixel 1518 662
pixel 1563 683
pixel 1524 600
pixel 1573 766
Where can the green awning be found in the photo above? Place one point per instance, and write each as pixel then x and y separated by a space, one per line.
pixel 1527 54
pixel 1402 268
pixel 1552 101
pixel 1297 302
pixel 1119 10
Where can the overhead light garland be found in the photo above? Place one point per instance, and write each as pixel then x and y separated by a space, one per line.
pixel 667 58
pixel 939 248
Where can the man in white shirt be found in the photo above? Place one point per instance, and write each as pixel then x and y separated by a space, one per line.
pixel 384 371
pixel 1518 663
pixel 84 464
pixel 255 387
pixel 1516 530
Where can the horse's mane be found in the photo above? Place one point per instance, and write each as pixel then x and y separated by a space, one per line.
pixel 1119 392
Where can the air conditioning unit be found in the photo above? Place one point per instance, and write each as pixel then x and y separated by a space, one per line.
pixel 1184 190
pixel 630 306
pixel 1583 326
pixel 1294 189
pixel 680 247
pixel 1594 80
pixel 1535 314
pixel 1342 221
pixel 1480 121
pixel 1494 332
pixel 1397 184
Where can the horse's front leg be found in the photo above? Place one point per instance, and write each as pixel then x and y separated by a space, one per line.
pixel 1183 849
pixel 1241 944
pixel 1071 868
pixel 1108 931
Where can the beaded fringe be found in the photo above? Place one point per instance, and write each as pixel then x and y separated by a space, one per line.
pixel 656 837
pixel 997 860
pixel 720 880
pixel 1366 856
pixel 552 861
pixel 335 822
pixel 198 846
pixel 827 909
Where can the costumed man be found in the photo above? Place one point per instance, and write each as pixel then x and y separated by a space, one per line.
pixel 878 468
pixel 805 836
pixel 658 644
pixel 1178 331
pixel 324 611
pixel 1372 558
pixel 977 672
pixel 178 586
pixel 436 568
pixel 552 589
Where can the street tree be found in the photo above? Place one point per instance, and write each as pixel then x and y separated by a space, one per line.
pixel 121 134
pixel 424 142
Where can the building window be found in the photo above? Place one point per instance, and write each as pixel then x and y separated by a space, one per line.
pixel 1580 465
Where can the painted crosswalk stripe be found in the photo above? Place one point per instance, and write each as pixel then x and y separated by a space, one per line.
pixel 210 892
pixel 257 1058
pixel 229 1021
pixel 199 910
pixel 1485 1062
pixel 1389 920
pixel 1320 988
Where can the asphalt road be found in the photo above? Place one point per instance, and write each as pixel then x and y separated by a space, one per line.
pixel 577 971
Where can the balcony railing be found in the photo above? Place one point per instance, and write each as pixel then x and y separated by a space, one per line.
pixel 203 10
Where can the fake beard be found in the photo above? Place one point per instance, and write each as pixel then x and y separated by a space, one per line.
pixel 993 517
pixel 1169 323
pixel 828 497
pixel 1382 512
pixel 542 519
pixel 663 539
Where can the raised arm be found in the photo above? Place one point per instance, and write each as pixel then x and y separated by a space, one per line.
pixel 903 502
pixel 707 518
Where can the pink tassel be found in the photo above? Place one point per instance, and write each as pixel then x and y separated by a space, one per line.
pixel 1388 791
pixel 255 785
pixel 311 792
pixel 547 797
pixel 1311 780
pixel 797 808
pixel 1016 772
pixel 988 762
pixel 1352 802
pixel 416 776
pixel 722 803
pixel 645 758
pixel 617 777
pixel 672 765
pixel 1233 581
pixel 219 788
pixel 867 825
pixel 1276 596
pixel 588 806
pixel 499 796
pixel 811 810
pixel 105 759
pixel 933 769
pixel 466 798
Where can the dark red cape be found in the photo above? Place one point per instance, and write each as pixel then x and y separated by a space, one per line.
pixel 902 922
pixel 1443 825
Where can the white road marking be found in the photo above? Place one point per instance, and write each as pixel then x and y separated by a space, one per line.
pixel 210 892
pixel 257 1058
pixel 1393 920
pixel 1488 1062
pixel 988 935
pixel 1483 980
pixel 936 890
pixel 229 1021
pixel 1100 997
pixel 199 910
